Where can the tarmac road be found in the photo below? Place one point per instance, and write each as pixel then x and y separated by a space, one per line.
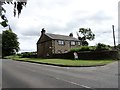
pixel 16 74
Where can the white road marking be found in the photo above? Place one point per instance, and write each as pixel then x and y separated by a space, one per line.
pixel 84 86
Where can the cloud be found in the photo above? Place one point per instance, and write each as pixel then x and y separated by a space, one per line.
pixel 28 43
pixel 100 17
pixel 63 17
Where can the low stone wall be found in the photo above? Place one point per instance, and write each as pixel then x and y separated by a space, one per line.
pixel 91 55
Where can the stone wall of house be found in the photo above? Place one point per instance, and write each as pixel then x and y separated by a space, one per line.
pixel 43 47
pixel 44 38
pixel 63 48
pixel 46 47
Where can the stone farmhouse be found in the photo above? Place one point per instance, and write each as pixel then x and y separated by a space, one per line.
pixel 49 44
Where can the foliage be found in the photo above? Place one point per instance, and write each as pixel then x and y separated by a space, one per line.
pixel 101 47
pixel 28 54
pixel 18 6
pixel 98 47
pixel 10 44
pixel 74 49
pixel 83 48
pixel 4 23
pixel 85 34
pixel 118 46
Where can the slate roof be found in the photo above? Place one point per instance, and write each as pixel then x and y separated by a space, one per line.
pixel 61 37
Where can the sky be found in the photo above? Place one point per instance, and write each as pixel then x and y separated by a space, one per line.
pixel 64 17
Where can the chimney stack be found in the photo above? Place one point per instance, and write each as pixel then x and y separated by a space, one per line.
pixel 71 35
pixel 43 31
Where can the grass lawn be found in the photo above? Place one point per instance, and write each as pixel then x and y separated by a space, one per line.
pixel 66 62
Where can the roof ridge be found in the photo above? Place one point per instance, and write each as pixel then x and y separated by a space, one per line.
pixel 58 36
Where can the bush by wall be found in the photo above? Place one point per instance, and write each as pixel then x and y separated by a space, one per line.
pixel 83 48
pixel 98 47
pixel 28 55
pixel 101 47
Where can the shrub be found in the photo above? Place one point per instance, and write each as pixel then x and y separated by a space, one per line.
pixel 19 54
pixel 74 49
pixel 83 48
pixel 28 55
pixel 98 47
pixel 118 46
pixel 101 47
pixel 92 48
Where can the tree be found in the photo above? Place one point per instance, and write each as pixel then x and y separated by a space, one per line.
pixel 18 6
pixel 85 34
pixel 10 44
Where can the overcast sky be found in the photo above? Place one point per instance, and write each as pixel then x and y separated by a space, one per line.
pixel 64 17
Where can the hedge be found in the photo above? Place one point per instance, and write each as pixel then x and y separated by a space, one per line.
pixel 90 55
pixel 98 47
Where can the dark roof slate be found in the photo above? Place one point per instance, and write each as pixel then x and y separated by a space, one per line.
pixel 60 37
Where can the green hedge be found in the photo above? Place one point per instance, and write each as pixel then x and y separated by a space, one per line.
pixel 83 48
pixel 90 55
pixel 101 47
pixel 28 55
pixel 98 47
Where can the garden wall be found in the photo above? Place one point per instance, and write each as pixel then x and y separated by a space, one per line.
pixel 90 55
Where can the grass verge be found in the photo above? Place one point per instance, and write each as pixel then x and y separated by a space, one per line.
pixel 63 62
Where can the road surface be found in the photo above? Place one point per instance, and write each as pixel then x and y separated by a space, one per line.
pixel 16 74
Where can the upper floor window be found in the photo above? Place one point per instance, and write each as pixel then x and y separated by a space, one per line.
pixel 61 42
pixel 72 43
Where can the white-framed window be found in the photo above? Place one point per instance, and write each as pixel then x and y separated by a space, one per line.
pixel 61 42
pixel 79 43
pixel 72 43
